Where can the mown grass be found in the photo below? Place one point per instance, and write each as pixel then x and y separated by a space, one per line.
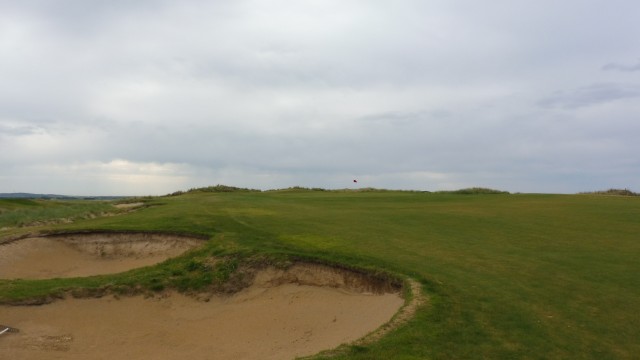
pixel 508 276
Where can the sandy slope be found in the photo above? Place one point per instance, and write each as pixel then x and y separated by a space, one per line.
pixel 279 322
pixel 87 254
pixel 285 313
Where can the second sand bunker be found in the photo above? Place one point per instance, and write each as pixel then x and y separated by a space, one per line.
pixel 78 255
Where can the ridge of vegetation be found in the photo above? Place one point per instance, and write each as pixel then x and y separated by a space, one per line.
pixel 618 192
pixel 213 189
pixel 226 188
pixel 205 271
pixel 474 191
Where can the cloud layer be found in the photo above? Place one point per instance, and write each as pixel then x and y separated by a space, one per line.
pixel 149 97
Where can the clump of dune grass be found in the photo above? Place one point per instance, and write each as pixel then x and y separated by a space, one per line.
pixel 474 191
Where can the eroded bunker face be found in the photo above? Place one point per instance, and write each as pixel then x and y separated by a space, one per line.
pixel 79 255
pixel 283 314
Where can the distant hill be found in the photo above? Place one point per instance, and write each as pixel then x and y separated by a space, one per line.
pixel 55 196
pixel 619 192
pixel 30 196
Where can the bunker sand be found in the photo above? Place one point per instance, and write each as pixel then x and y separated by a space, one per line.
pixel 87 254
pixel 284 314
pixel 272 319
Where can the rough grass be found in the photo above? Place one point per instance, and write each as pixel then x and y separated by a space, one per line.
pixel 508 276
pixel 28 212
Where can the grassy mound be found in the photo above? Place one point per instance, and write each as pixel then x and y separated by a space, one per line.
pixel 533 276
pixel 33 212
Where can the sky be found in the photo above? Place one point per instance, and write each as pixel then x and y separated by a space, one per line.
pixel 150 97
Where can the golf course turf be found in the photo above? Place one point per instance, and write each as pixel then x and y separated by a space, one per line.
pixel 507 276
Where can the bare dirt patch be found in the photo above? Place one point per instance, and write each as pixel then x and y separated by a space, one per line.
pixel 78 255
pixel 283 314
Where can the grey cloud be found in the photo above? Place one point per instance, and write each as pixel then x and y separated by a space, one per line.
pixel 282 93
pixel 590 95
pixel 19 130
pixel 622 67
pixel 81 19
pixel 393 118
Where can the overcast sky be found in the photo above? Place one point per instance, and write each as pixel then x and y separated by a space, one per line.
pixel 149 97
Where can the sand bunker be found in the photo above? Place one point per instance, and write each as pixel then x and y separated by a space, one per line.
pixel 284 314
pixel 87 254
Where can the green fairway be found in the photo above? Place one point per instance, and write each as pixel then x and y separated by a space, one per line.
pixel 521 276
